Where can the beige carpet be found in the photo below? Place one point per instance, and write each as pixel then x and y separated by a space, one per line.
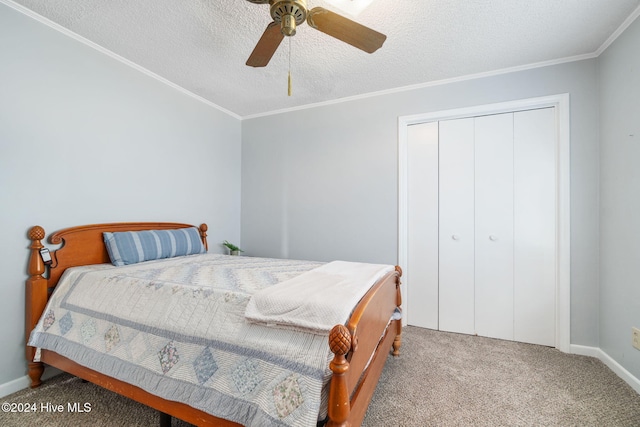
pixel 441 379
pixel 445 379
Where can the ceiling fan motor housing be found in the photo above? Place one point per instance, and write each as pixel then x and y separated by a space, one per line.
pixel 289 14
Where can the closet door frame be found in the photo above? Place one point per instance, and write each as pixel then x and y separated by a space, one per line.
pixel 563 253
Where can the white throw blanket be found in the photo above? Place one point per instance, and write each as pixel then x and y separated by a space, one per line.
pixel 316 300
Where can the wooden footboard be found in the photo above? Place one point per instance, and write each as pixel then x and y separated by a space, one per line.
pixel 360 347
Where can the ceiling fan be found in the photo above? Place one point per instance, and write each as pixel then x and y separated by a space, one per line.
pixel 288 14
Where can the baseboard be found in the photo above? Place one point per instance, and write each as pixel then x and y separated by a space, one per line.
pixel 584 350
pixel 23 382
pixel 618 369
pixel 13 386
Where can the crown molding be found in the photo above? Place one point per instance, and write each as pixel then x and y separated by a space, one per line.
pixel 627 22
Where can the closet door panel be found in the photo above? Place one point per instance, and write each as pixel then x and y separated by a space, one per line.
pixel 456 189
pixel 422 225
pixel 494 225
pixel 535 226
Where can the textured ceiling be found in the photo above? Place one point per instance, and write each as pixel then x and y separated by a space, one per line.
pixel 202 45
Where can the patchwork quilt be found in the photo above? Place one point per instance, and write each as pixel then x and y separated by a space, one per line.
pixel 176 328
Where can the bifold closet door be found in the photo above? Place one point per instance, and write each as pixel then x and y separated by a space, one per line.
pixel 422 224
pixel 535 226
pixel 456 212
pixel 494 193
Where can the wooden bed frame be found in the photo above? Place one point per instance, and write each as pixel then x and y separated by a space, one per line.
pixel 359 352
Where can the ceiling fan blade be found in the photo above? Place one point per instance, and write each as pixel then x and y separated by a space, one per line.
pixel 357 35
pixel 266 47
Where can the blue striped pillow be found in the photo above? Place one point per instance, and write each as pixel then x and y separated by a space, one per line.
pixel 130 247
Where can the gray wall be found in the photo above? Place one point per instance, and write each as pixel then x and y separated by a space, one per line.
pixel 85 139
pixel 321 183
pixel 619 69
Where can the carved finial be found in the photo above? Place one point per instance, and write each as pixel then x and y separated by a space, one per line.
pixel 36 265
pixel 203 235
pixel 399 270
pixel 36 233
pixel 340 340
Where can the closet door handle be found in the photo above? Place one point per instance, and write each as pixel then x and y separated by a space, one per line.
pixel 455 237
pixel 493 238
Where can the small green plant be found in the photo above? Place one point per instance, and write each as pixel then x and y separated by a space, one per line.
pixel 232 247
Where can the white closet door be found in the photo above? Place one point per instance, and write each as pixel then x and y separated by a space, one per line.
pixel 456 188
pixel 494 226
pixel 535 226
pixel 422 225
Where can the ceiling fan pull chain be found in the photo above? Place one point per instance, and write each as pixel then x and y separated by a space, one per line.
pixel 289 79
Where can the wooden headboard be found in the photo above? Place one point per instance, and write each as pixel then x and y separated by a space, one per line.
pixel 84 245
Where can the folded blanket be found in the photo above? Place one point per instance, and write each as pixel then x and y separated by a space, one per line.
pixel 316 300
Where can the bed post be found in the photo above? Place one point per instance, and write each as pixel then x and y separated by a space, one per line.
pixel 203 235
pixel 339 404
pixel 397 341
pixel 36 299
